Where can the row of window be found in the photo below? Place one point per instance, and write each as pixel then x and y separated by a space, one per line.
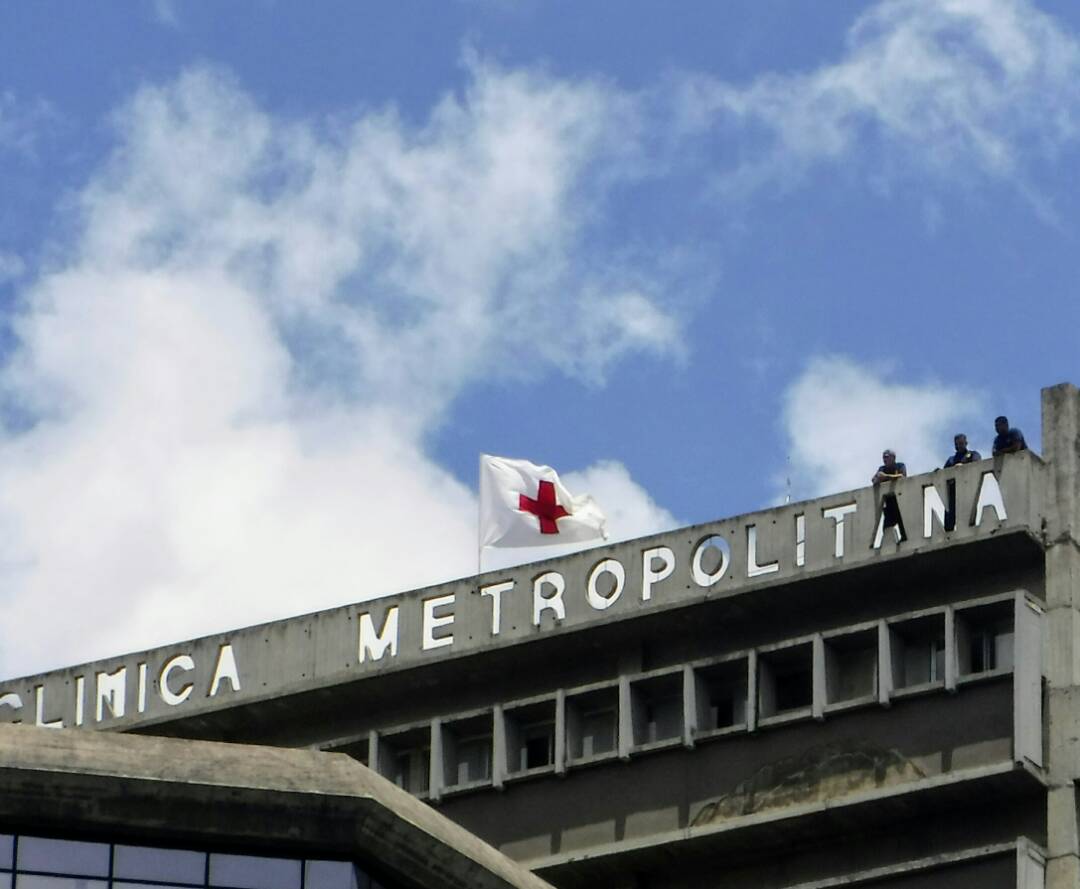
pixel 28 862
pixel 804 677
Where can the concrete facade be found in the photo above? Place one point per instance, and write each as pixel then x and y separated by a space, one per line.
pixel 153 791
pixel 799 697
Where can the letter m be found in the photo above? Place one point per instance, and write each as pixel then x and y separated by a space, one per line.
pixel 376 644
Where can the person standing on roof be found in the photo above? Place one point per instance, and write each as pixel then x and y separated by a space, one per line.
pixel 889 468
pixel 1009 440
pixel 962 455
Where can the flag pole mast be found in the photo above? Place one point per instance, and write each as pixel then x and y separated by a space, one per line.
pixel 479 530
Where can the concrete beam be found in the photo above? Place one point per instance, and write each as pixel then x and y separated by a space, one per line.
pixel 292 802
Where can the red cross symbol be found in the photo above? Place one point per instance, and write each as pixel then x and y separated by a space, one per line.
pixel 545 507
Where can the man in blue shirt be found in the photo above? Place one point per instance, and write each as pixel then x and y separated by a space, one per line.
pixel 962 455
pixel 889 468
pixel 1008 440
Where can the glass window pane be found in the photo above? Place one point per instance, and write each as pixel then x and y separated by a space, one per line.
pixel 334 875
pixel 118 885
pixel 63 857
pixel 253 872
pixel 165 865
pixel 6 843
pixel 33 881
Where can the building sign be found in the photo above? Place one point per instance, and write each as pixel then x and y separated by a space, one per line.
pixel 673 570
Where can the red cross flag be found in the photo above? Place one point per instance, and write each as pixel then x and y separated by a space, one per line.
pixel 522 504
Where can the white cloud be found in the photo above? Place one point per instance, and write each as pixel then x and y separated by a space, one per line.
pixel 839 416
pixel 949 86
pixel 233 376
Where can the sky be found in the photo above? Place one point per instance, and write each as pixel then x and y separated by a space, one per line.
pixel 274 275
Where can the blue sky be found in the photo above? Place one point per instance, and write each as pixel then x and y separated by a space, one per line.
pixel 272 277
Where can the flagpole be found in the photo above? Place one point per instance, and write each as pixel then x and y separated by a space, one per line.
pixel 479 543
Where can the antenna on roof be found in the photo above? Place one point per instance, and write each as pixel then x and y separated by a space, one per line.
pixel 787 494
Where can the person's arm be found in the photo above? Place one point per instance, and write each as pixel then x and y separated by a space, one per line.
pixel 1015 443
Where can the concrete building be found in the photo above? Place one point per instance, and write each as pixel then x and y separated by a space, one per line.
pixel 807 696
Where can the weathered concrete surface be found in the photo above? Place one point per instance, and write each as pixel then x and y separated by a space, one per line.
pixel 1061 449
pixel 322 650
pixel 286 801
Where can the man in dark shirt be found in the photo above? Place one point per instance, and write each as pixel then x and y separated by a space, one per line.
pixel 889 468
pixel 962 455
pixel 1008 440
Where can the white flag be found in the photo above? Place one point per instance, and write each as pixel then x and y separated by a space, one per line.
pixel 522 504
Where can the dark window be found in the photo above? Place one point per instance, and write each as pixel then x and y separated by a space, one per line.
pixel 851 663
pixel 597 732
pixel 722 695
pixel 785 680
pixel 918 650
pixel 539 749
pixel 657 708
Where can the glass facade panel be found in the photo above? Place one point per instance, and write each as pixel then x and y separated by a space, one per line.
pixel 253 872
pixel 335 875
pixel 36 881
pixel 161 865
pixel 63 857
pixel 119 885
pixel 39 863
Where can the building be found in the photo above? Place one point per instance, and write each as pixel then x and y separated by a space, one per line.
pixel 807 696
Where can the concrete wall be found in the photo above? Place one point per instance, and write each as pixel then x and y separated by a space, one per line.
pixel 761 551
pixel 243 799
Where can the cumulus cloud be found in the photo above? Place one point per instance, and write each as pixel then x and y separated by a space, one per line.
pixel 951 87
pixel 839 415
pixel 218 408
pixel 230 382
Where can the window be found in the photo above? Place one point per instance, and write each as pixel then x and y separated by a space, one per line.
pixel 785 680
pixel 657 708
pixel 405 758
pixel 918 650
pixel 985 639
pixel 43 863
pixel 592 723
pixel 721 695
pixel 530 736
pixel 851 666
pixel 467 750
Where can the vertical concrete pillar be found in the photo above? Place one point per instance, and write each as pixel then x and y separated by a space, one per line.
pixel 1061 664
pixel 818 678
pixel 886 670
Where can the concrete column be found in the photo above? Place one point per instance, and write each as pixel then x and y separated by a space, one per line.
pixel 1061 652
pixel 886 680
pixel 818 678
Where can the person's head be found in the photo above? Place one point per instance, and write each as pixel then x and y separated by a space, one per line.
pixel 960 440
pixel 888 457
pixel 1001 424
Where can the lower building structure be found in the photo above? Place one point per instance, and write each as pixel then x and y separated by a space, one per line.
pixel 876 688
